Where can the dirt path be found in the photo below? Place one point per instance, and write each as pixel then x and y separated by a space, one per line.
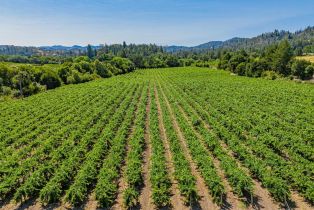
pixel 206 201
pixel 263 198
pixel 145 197
pixel 176 199
pixel 91 203
pixel 122 184
pixel 32 205
pixel 232 202
pixel 299 202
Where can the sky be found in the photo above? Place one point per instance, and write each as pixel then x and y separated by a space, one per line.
pixel 163 22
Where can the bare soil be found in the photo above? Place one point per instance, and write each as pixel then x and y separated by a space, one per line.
pixel 176 199
pixel 262 198
pixel 231 202
pixel 145 197
pixel 205 201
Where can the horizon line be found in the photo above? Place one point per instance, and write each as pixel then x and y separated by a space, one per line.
pixel 161 45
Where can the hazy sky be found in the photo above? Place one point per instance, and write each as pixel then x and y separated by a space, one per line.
pixel 166 22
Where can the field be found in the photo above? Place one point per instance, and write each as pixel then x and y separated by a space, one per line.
pixel 307 57
pixel 19 64
pixel 179 137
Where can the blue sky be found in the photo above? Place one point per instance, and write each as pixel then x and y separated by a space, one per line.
pixel 166 22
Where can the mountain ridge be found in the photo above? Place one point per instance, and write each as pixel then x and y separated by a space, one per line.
pixel 298 39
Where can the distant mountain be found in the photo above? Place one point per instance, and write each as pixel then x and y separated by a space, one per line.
pixel 302 41
pixel 209 45
pixel 66 48
pixel 174 48
pixel 44 50
pixel 298 39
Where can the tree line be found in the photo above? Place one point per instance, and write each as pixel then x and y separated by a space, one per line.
pixel 25 80
pixel 49 72
pixel 277 60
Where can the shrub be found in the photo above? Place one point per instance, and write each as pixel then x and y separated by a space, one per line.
pixel 6 74
pixel 302 69
pixel 50 79
pixel 74 77
pixel 309 71
pixel 240 70
pixel 7 91
pixel 271 75
pixel 64 72
pixel 86 67
pixel 102 69
pixel 124 64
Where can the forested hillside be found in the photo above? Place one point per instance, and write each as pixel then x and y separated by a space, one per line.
pixel 302 41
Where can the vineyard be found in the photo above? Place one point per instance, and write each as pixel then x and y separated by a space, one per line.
pixel 180 138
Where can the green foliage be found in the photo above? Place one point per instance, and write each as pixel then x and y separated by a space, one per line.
pixel 159 177
pixel 308 49
pixel 81 58
pixel 236 59
pixel 6 74
pixel 62 145
pixel 277 58
pixel 302 68
pixel 242 69
pixel 102 70
pixel 64 71
pixel 309 72
pixel 256 67
pixel 107 185
pixel 90 52
pixel 51 79
pixel 133 170
pixel 130 197
pixel 25 80
pixel 183 174
pixel 124 64
pixel 172 61
pixel 281 58
pixel 271 75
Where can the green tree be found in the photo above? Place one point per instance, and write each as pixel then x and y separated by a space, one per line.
pixel 302 69
pixel 64 71
pixel 281 58
pixel 124 64
pixel 309 71
pixel 74 77
pixel 90 52
pixel 224 60
pixel 240 70
pixel 172 61
pixel 6 73
pixel 236 59
pixel 86 67
pixel 101 69
pixel 51 79
pixel 256 67
pixel 23 78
